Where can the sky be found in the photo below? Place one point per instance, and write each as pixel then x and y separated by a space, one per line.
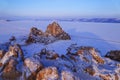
pixel 60 8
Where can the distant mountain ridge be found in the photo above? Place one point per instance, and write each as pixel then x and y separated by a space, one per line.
pixel 98 20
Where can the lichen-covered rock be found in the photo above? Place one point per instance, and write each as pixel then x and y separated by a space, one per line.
pixel 67 76
pixel 115 55
pixel 49 73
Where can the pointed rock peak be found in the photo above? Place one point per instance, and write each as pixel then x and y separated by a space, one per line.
pixel 55 23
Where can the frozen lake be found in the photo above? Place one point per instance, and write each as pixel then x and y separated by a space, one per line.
pixel 104 36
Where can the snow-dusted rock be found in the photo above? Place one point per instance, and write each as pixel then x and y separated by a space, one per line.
pixel 54 32
pixel 67 75
pixel 49 73
pixel 33 66
pixel 115 55
pixel 10 72
pixel 14 51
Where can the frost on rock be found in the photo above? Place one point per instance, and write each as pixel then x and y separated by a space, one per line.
pixel 54 32
pixel 49 73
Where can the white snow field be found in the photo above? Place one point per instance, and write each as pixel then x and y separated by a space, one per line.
pixel 103 36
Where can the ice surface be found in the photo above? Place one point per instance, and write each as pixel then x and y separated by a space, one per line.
pixel 103 36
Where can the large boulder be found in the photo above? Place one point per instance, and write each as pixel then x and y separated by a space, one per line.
pixel 33 66
pixel 115 55
pixel 49 73
pixel 10 72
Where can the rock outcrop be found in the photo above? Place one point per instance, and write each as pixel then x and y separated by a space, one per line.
pixel 54 32
pixel 115 55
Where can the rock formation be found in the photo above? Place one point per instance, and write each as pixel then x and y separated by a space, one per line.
pixel 54 32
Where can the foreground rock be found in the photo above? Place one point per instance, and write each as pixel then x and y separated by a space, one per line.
pixel 9 61
pixel 54 32
pixel 49 73
pixel 80 62
pixel 33 66
pixel 10 72
pixel 115 55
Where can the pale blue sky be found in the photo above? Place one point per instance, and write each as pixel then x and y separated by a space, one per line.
pixel 60 8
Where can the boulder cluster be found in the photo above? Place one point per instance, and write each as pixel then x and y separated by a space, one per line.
pixel 49 65
pixel 54 32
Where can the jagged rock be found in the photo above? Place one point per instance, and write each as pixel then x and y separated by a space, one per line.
pixel 34 66
pixel 10 72
pixel 55 30
pixel 14 51
pixel 49 73
pixel 67 76
pixel 115 55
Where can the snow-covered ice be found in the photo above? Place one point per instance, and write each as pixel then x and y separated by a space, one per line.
pixel 103 36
